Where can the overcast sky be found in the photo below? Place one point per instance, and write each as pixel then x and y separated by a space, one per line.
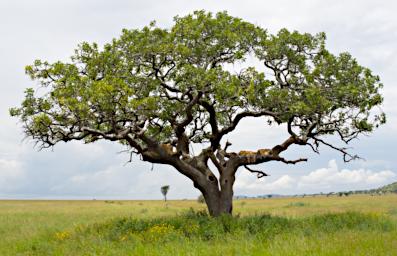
pixel 50 30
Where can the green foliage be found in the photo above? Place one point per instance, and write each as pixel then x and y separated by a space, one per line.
pixel 164 189
pixel 149 76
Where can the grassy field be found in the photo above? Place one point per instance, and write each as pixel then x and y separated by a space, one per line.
pixel 354 225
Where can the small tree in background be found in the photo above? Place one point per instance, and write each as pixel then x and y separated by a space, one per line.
pixel 164 191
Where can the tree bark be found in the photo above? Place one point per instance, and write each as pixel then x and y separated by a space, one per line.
pixel 218 194
pixel 219 200
pixel 226 199
pixel 219 203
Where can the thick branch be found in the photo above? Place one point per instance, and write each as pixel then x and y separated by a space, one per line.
pixel 242 115
pixel 213 122
pixel 288 142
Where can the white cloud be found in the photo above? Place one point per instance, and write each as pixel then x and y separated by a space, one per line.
pixel 112 180
pixel 284 182
pixel 320 174
pixel 380 177
pixel 134 181
pixel 330 178
pixel 247 183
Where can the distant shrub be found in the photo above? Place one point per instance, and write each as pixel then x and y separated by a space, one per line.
pixel 113 202
pixel 297 204
pixel 340 194
pixel 200 199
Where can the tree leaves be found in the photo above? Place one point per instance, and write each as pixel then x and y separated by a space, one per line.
pixel 143 83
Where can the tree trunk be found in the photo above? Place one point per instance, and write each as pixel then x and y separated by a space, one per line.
pixel 219 201
pixel 226 198
pixel 218 195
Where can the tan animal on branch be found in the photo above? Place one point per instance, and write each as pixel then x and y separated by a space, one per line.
pixel 253 155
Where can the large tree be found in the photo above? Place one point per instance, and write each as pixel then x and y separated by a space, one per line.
pixel 160 91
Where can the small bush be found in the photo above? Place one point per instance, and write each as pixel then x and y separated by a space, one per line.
pixel 113 202
pixel 297 204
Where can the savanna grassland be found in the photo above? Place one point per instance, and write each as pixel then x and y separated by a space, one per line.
pixel 354 225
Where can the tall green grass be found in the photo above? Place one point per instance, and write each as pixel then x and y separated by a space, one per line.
pixel 196 233
pixel 354 225
pixel 198 225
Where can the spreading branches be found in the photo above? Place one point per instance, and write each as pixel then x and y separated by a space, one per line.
pixel 163 91
pixel 347 157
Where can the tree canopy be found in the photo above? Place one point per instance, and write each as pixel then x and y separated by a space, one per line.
pixel 160 90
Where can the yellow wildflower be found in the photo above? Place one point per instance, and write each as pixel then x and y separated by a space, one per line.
pixel 62 235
